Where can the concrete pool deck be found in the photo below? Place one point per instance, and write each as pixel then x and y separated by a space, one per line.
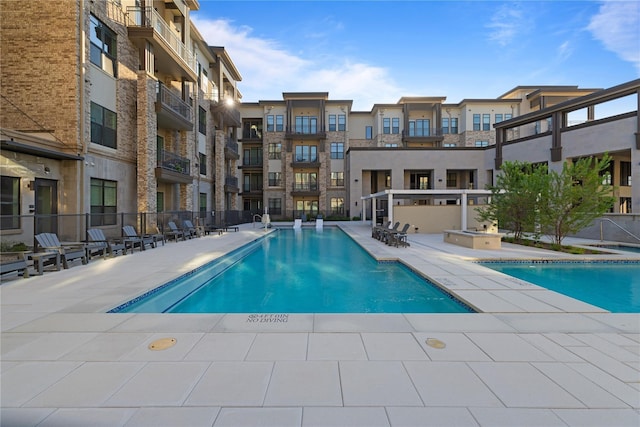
pixel 532 358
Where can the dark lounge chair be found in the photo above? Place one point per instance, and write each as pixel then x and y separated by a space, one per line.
pixel 49 242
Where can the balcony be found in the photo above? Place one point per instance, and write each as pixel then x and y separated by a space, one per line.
pixel 252 163
pixel 305 133
pixel 301 162
pixel 231 148
pixel 228 111
pixel 231 184
pixel 432 135
pixel 305 189
pixel 173 112
pixel 171 54
pixel 173 168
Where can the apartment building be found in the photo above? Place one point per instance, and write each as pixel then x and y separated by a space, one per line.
pixel 307 154
pixel 112 106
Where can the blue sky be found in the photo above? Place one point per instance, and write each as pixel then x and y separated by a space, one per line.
pixel 377 51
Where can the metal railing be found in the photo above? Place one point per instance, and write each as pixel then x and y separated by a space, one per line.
pixel 173 102
pixel 602 220
pixel 231 144
pixel 170 161
pixel 148 17
pixel 231 181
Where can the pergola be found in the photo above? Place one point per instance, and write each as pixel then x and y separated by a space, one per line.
pixel 389 195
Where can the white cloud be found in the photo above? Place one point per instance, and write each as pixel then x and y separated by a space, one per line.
pixel 506 24
pixel 617 26
pixel 268 69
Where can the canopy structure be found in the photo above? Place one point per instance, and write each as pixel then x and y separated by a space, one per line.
pixel 391 195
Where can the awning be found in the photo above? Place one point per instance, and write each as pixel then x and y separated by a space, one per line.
pixel 20 147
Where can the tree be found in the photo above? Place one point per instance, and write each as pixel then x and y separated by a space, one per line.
pixel 514 197
pixel 574 198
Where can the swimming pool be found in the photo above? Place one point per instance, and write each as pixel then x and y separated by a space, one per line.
pixel 298 271
pixel 625 248
pixel 613 286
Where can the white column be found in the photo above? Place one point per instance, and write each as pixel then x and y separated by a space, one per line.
pixel 390 208
pixel 373 212
pixel 463 202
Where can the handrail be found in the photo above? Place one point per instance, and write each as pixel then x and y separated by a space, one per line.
pixel 617 225
pixel 254 219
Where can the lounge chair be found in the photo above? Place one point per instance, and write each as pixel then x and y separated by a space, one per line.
pixel 133 239
pixel 49 242
pixel 387 232
pixel 174 232
pixel 189 228
pixel 399 237
pixel 99 244
pixel 376 232
pixel 13 262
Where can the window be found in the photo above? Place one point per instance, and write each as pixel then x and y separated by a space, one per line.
pixel 103 202
pixel 342 122
pixel 508 116
pixel 270 124
pixel 449 144
pixel 103 46
pixel 275 151
pixel 252 156
pixel 420 127
pixel 202 204
pixel 387 179
pixel 275 206
pixel 337 206
pixel 103 126
pixel 452 180
pixel 454 125
pixel 202 120
pixel 279 123
pixel 337 150
pixel 275 179
pixel 306 153
pixel 303 206
pixel 476 122
pixel 159 201
pixel 252 182
pixel 305 181
pixel 486 122
pixel 391 144
pixel 445 125
pixel 332 123
pixel 386 125
pixel 395 125
pixel 337 179
pixel 368 132
pixel 306 124
pixel 202 162
pixel 252 129
pixel 480 143
pixel 499 118
pixel 625 174
pixel 9 202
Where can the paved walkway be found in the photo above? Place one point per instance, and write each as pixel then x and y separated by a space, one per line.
pixel 531 358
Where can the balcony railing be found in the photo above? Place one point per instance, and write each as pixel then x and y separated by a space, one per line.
pixel 147 17
pixel 305 186
pixel 231 144
pixel 170 101
pixel 422 133
pixel 170 161
pixel 231 181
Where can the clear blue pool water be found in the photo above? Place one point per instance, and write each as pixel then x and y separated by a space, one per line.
pixel 612 286
pixel 633 249
pixel 299 271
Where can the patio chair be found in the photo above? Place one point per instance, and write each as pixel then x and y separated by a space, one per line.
pixel 400 237
pixel 174 232
pixel 376 231
pixel 133 239
pixel 99 244
pixel 387 232
pixel 189 228
pixel 49 242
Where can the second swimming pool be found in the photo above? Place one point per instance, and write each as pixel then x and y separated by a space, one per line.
pixel 299 271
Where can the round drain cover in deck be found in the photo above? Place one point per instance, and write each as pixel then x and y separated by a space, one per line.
pixel 162 344
pixel 435 343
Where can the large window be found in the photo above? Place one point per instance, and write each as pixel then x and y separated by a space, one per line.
pixel 202 205
pixel 342 122
pixel 275 179
pixel 445 125
pixel 337 150
pixel 275 151
pixel 452 180
pixel 202 163
pixel 368 132
pixel 202 120
pixel 305 181
pixel 454 125
pixel 306 153
pixel 486 122
pixel 476 122
pixel 9 202
pixel 279 123
pixel 332 123
pixel 625 174
pixel 103 202
pixel 395 125
pixel 252 182
pixel 252 129
pixel 275 206
pixel 252 156
pixel 306 124
pixel 499 118
pixel 270 123
pixel 103 126
pixel 337 206
pixel 337 179
pixel 386 125
pixel 103 46
pixel 420 127
pixel 481 143
pixel 508 116
pixel 307 206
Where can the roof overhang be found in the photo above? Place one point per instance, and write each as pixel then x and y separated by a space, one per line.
pixel 10 144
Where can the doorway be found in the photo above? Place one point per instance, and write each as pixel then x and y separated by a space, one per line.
pixel 46 206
